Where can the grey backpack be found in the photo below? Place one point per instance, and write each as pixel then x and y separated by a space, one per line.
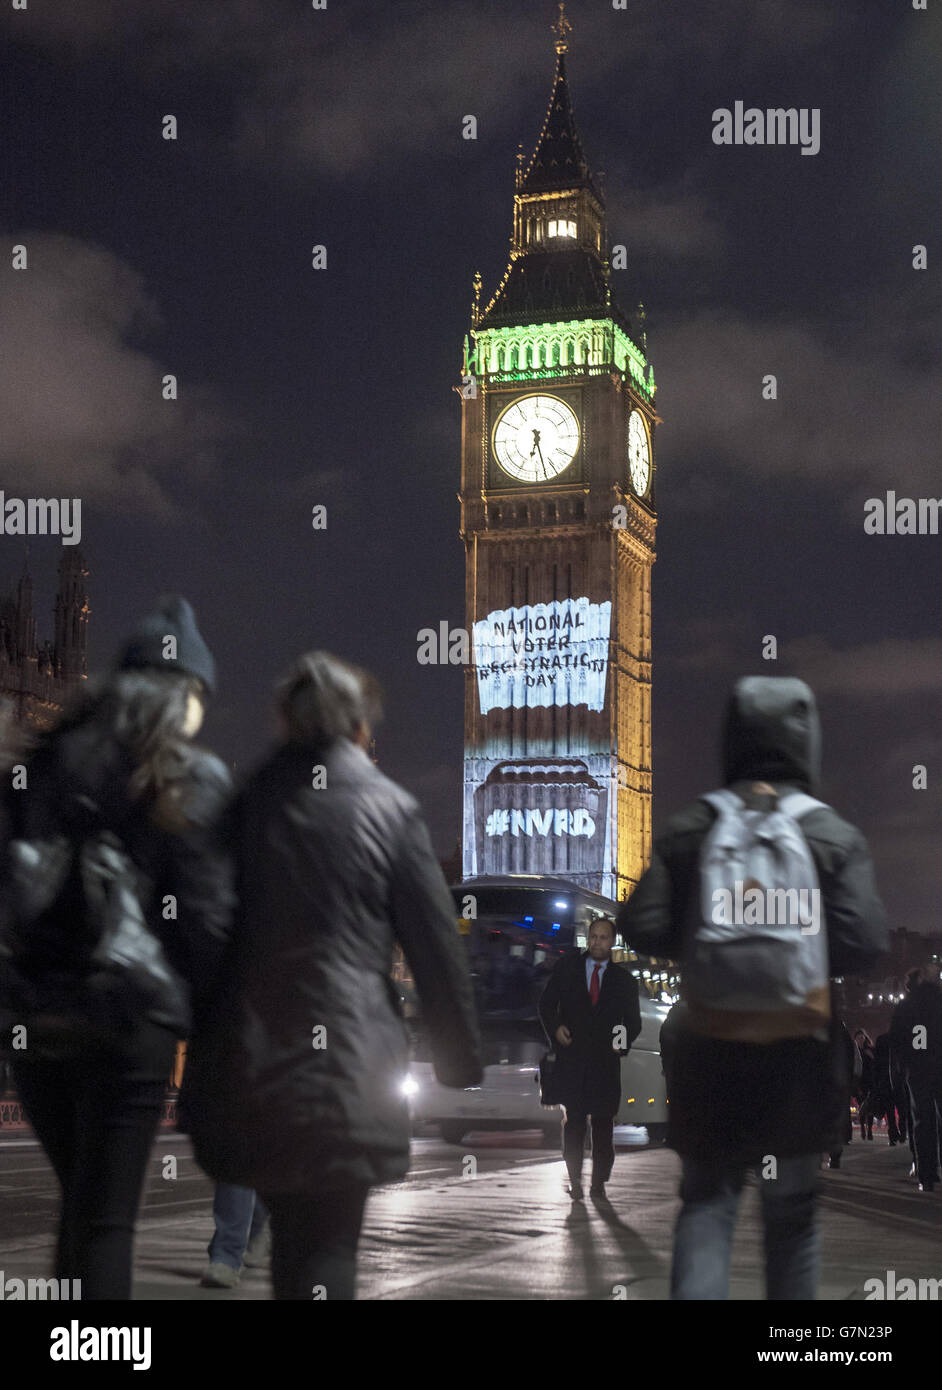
pixel 757 964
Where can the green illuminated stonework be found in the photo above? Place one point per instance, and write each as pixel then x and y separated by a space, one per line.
pixel 572 348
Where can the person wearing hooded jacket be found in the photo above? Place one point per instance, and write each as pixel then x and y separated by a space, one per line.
pixel 916 1047
pixel 734 1104
pixel 295 1088
pixel 93 1074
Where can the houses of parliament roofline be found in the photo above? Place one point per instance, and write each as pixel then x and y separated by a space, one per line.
pixel 37 677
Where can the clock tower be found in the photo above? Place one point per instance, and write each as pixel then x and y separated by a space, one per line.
pixel 558 516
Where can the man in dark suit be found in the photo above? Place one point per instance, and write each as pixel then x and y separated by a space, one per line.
pixel 591 1015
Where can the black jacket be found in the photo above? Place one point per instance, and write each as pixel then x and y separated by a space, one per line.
pixel 882 1078
pixel 740 1101
pixel 589 1069
pixel 77 782
pixel 916 1033
pixel 297 1082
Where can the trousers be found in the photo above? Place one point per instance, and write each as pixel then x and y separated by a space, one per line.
pixel 703 1237
pixel 97 1122
pixel 238 1215
pixel 314 1242
pixel 925 1098
pixel 603 1146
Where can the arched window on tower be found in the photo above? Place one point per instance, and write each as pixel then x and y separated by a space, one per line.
pixel 561 227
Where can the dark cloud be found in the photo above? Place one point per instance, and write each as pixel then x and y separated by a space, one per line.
pixel 81 402
pixel 824 428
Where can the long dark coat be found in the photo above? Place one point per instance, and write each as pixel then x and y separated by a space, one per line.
pixel 296 1084
pixel 589 1069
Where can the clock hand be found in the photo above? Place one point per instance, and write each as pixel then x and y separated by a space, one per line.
pixel 537 450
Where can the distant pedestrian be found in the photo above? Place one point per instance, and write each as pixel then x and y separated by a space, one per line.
pixel 846 1060
pixel 865 1085
pixel 591 1015
pixel 916 1045
pixel 296 1087
pixel 883 1098
pixel 901 1099
pixel 117 895
pixel 752 1072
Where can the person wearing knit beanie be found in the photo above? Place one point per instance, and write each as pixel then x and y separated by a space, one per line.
pixel 169 639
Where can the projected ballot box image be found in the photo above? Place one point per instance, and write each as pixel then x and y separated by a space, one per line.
pixel 541 816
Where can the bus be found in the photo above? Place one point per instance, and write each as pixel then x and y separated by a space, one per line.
pixel 514 929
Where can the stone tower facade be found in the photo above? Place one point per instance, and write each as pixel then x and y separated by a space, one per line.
pixel 558 517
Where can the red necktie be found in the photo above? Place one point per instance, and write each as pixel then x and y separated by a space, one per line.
pixel 595 985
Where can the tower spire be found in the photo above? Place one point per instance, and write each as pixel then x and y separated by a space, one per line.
pixel 558 162
pixel 561 28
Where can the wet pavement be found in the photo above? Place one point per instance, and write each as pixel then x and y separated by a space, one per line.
pixel 490 1219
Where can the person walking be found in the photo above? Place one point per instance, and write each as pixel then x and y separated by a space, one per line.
pixel 591 1014
pixel 117 897
pixel 296 1086
pixel 865 1085
pixel 845 1059
pixel 916 1044
pixel 884 1103
pixel 901 1101
pixel 753 1067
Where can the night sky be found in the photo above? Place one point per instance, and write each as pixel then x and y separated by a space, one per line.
pixel 298 387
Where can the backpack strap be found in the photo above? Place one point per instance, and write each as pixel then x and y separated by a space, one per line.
pixel 723 800
pixel 799 804
pixel 795 804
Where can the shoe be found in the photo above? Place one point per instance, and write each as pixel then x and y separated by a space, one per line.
pixel 597 1189
pixel 912 1170
pixel 220 1276
pixel 258 1250
pixel 869 1134
pixel 834 1161
pixel 893 1143
pixel 575 1191
pixel 928 1185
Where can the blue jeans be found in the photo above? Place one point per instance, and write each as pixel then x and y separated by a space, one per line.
pixel 703 1236
pixel 239 1215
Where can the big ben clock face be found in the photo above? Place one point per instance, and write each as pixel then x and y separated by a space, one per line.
pixel 639 454
pixel 536 438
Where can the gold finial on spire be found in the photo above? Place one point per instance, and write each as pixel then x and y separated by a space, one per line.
pixel 561 28
pixel 518 174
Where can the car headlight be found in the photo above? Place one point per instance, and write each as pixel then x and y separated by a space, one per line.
pixel 409 1087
